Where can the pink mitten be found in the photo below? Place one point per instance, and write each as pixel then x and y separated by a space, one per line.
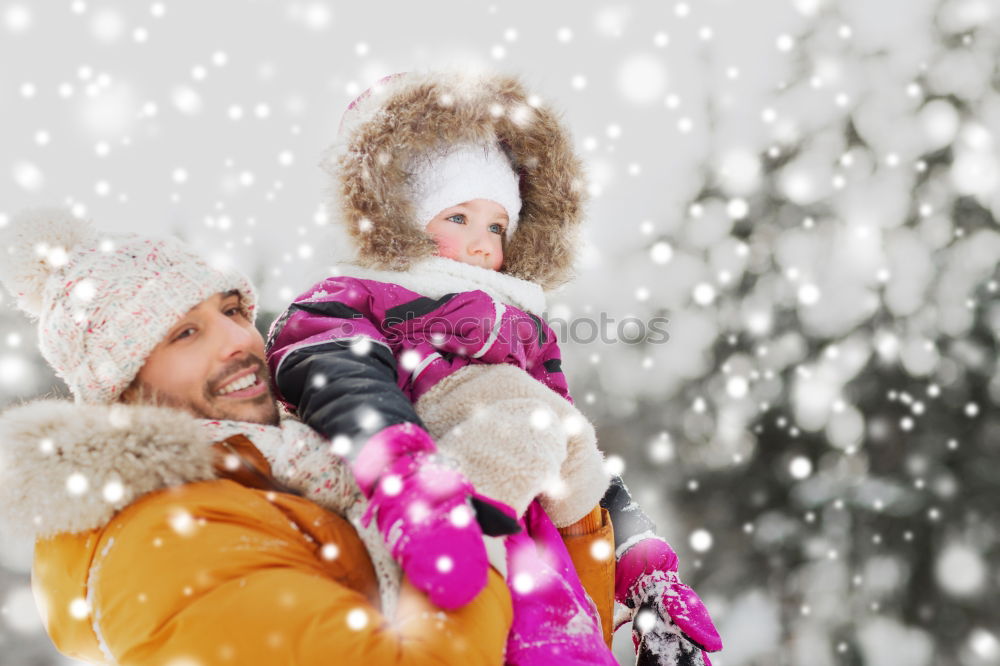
pixel 422 510
pixel 646 578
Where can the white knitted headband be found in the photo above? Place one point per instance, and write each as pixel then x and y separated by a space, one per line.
pixel 462 174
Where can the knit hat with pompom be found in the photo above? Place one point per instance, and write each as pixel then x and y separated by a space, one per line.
pixel 103 300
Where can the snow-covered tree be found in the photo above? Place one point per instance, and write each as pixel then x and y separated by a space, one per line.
pixel 830 382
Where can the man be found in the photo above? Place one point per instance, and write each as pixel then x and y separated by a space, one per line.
pixel 165 539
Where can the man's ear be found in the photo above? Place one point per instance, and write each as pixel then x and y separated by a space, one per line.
pixel 128 396
pixel 137 393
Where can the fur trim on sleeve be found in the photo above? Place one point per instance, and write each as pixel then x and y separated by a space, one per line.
pixel 68 467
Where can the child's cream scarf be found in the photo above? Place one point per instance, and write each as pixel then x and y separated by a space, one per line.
pixel 436 276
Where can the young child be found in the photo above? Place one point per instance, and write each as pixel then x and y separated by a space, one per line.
pixel 464 197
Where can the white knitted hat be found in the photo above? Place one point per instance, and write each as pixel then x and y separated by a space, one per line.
pixel 103 300
pixel 461 174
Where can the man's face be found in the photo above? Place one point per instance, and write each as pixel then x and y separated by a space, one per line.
pixel 211 364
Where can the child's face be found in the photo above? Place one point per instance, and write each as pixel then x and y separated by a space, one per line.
pixel 471 232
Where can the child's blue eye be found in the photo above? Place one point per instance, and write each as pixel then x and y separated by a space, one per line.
pixel 457 218
pixel 497 228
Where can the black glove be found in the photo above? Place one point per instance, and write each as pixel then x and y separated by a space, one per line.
pixel 492 521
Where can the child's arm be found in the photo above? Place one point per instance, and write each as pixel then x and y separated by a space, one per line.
pixel 630 521
pixel 646 578
pixel 332 365
pixel 330 362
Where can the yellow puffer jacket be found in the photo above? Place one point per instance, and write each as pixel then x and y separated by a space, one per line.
pixel 148 553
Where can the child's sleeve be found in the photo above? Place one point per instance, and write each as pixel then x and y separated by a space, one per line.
pixel 332 365
pixel 596 570
pixel 629 520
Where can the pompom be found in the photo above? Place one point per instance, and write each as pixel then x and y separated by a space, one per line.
pixel 37 243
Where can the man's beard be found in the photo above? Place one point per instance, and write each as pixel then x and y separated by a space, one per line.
pixel 263 409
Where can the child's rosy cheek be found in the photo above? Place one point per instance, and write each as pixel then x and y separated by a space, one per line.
pixel 446 249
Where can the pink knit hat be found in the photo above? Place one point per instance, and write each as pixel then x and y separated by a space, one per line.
pixel 103 300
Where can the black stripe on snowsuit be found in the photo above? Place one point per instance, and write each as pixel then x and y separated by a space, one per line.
pixel 337 389
pixel 418 307
pixel 626 516
pixel 553 365
pixel 538 327
pixel 327 309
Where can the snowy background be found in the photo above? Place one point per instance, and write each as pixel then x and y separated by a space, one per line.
pixel 809 191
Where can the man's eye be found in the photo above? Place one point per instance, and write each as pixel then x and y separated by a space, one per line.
pixel 457 218
pixel 233 311
pixel 187 332
pixel 497 228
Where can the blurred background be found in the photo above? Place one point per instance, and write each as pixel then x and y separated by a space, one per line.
pixel 807 190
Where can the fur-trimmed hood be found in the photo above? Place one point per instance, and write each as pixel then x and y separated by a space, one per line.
pixel 68 467
pixel 409 115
